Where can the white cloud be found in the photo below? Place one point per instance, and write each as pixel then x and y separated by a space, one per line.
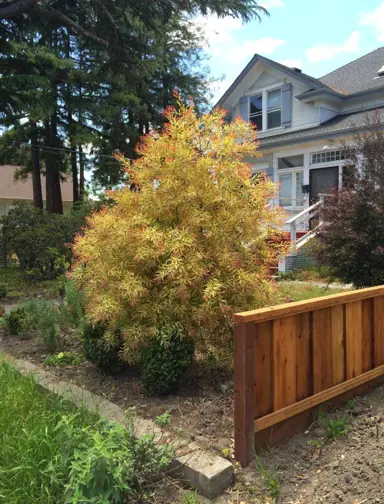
pixel 292 63
pixel 323 52
pixel 375 19
pixel 240 52
pixel 217 31
pixel 270 4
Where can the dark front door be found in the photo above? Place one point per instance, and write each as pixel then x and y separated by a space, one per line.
pixel 322 181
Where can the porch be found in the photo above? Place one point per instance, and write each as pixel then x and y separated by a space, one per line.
pixel 304 177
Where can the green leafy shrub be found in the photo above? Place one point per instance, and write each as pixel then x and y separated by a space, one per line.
pixel 102 347
pixel 72 306
pixel 19 322
pixel 40 239
pixel 46 319
pixel 64 359
pixel 53 452
pixel 3 291
pixel 164 361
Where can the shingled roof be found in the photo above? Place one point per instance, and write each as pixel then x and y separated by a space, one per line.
pixel 358 75
pixel 22 189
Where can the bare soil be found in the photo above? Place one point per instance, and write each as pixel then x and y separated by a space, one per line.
pixel 309 468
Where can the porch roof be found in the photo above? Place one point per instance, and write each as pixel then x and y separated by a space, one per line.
pixel 341 124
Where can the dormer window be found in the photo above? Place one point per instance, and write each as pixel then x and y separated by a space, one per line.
pixel 265 109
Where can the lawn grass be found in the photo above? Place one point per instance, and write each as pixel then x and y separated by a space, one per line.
pixel 30 439
pixel 53 452
pixel 19 288
pixel 295 291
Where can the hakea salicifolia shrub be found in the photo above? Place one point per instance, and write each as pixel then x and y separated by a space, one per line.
pixel 188 242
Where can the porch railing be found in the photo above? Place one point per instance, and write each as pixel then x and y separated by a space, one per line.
pixel 296 243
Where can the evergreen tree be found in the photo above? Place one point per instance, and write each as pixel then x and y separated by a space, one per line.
pixel 95 73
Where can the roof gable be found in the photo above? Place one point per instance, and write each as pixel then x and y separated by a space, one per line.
pixel 289 72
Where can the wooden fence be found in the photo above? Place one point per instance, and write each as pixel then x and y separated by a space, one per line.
pixel 293 357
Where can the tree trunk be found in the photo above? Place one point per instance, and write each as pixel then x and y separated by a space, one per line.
pixel 36 179
pixel 82 176
pixel 52 177
pixel 75 182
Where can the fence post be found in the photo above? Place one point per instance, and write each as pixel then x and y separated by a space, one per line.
pixel 244 393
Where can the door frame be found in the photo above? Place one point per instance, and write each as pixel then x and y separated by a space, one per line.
pixel 333 166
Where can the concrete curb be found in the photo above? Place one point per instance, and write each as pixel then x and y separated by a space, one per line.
pixel 207 472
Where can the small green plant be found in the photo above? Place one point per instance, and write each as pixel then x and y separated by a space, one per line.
pixel 72 307
pixel 225 452
pixel 316 443
pixel 191 498
pixel 64 359
pixel 350 404
pixel 270 479
pixel 334 426
pixel 3 291
pixel 19 322
pixel 163 420
pixel 46 319
pixel 164 361
pixel 102 347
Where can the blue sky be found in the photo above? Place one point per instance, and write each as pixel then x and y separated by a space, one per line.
pixel 314 36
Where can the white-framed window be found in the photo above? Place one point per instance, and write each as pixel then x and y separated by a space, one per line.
pixel 328 156
pixel 296 161
pixel 290 173
pixel 291 189
pixel 274 108
pixel 265 109
pixel 256 110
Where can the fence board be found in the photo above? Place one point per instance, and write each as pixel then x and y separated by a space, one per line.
pixel 353 339
pixel 378 330
pixel 367 324
pixel 338 344
pixel 263 369
pixel 284 365
pixel 303 356
pixel 322 349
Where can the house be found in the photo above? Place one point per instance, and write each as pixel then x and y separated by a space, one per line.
pixel 303 122
pixel 12 190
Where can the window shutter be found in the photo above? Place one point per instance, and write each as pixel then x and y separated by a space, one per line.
pixel 244 108
pixel 286 104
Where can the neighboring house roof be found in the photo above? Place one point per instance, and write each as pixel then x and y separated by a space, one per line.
pixel 22 189
pixel 358 75
pixel 341 124
pixel 316 83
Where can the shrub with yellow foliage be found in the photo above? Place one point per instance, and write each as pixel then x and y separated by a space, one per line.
pixel 188 242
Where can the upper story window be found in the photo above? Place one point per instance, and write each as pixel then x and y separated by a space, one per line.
pixel 274 108
pixel 265 109
pixel 256 111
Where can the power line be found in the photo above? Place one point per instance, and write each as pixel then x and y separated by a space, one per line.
pixel 64 149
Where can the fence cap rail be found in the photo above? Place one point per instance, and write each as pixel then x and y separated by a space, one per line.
pixel 287 309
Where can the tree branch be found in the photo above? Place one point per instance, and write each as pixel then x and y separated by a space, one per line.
pixel 66 21
pixel 16 8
